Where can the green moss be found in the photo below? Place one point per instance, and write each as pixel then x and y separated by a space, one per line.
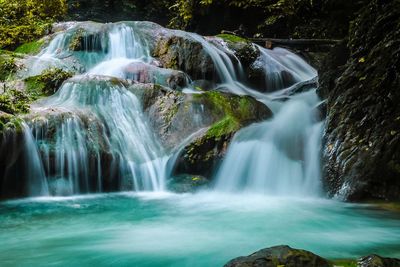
pixel 239 107
pixel 30 48
pixel 47 83
pixel 225 126
pixel 232 38
pixel 344 263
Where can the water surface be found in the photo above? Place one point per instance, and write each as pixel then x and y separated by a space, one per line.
pixel 205 229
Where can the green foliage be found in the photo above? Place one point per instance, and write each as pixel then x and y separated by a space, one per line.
pixel 279 18
pixel 7 67
pixel 23 21
pixel 14 101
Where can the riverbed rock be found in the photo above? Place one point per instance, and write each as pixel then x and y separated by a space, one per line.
pixel 362 138
pixel 212 118
pixel 279 256
pixel 182 52
pixel 377 261
pixel 147 73
pixel 231 113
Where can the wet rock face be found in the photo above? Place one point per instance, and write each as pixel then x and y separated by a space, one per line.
pixel 362 139
pixel 279 256
pixel 186 54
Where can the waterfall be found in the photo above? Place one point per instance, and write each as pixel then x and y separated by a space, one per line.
pixel 94 136
pixel 37 183
pixel 280 156
pixel 98 135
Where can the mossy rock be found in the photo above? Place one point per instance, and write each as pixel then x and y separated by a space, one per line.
pixel 232 38
pixel 89 37
pixel 343 263
pixel 279 256
pixel 244 50
pixel 31 48
pixel 229 114
pixel 185 54
pixel 47 83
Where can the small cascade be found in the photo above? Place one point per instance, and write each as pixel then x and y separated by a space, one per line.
pixel 37 183
pixel 277 157
pixel 92 135
pixel 280 156
pixel 283 68
pixel 106 128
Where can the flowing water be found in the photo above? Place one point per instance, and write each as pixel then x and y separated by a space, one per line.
pixel 267 191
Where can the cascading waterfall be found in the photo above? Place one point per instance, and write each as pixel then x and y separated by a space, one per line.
pixel 279 156
pixel 98 139
pixel 102 131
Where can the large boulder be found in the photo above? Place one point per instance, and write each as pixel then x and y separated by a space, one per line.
pixel 362 138
pixel 180 51
pixel 279 256
pixel 208 119
pixel 230 113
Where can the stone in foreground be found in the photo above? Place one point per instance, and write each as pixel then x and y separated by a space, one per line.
pixel 279 256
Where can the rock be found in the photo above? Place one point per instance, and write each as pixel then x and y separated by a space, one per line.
pixel 147 73
pixel 377 261
pixel 279 256
pixel 46 83
pixel 182 52
pixel 362 138
pixel 88 36
pixel 175 116
pixel 231 113
pixel 243 49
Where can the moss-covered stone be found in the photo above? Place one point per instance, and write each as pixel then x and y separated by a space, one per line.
pixel 185 54
pixel 90 37
pixel 30 48
pixel 343 263
pixel 230 113
pixel 232 38
pixel 47 83
pixel 279 256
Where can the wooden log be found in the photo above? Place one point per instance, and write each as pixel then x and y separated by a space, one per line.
pixel 271 42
